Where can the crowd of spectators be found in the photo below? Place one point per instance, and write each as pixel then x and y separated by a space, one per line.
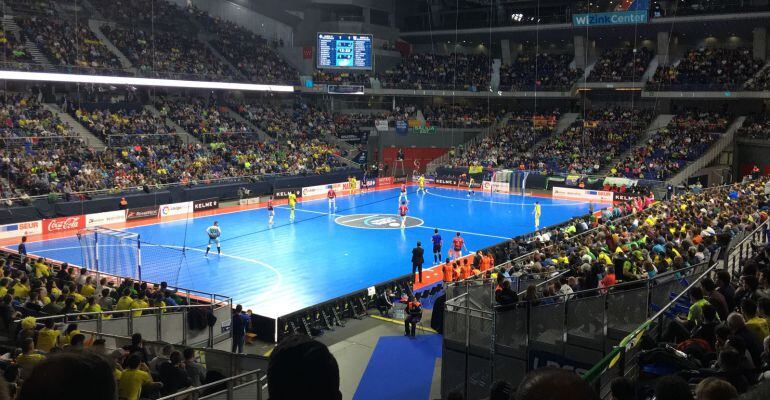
pixel 254 56
pixel 14 52
pixel 132 125
pixel 68 45
pixel 23 117
pixel 201 118
pixel 540 71
pixel 510 146
pixel 709 68
pixel 167 54
pixel 755 127
pixel 437 71
pixel 592 141
pixel 669 150
pixel 157 14
pixel 621 65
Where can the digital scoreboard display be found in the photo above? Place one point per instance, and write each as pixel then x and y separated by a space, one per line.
pixel 344 51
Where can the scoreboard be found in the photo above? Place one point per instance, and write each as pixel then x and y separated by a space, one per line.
pixel 344 51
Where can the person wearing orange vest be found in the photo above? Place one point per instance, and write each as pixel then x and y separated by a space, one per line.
pixel 465 270
pixel 413 316
pixel 448 272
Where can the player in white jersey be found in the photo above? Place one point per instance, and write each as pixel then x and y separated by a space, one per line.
pixel 214 233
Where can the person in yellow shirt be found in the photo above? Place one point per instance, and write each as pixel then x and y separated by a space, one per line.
pixel 139 303
pixel 21 288
pixel 48 337
pixel 134 379
pixel 755 325
pixel 124 302
pixel 87 290
pixel 92 306
pixel 41 269
pixel 66 338
pixel 28 358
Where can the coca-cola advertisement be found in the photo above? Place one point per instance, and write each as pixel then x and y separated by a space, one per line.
pixel 63 224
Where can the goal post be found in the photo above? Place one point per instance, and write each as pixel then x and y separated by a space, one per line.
pixel 111 251
pixel 506 181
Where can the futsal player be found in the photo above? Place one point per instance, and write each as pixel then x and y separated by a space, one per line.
pixel 458 244
pixel 332 196
pixel 470 186
pixel 214 233
pixel 402 195
pixel 537 212
pixel 270 211
pixel 402 209
pixel 437 242
pixel 292 205
pixel 421 184
pixel 352 182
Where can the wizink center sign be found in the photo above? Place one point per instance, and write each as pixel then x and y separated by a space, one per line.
pixel 610 18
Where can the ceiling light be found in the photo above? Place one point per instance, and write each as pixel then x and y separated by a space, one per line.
pixel 123 80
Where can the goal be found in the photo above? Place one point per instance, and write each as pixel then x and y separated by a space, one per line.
pixel 508 181
pixel 111 251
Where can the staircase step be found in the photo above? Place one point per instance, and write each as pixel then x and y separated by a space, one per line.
pixel 89 138
pixel 96 27
pixel 178 130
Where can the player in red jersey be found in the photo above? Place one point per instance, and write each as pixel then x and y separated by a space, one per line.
pixel 332 196
pixel 402 209
pixel 458 244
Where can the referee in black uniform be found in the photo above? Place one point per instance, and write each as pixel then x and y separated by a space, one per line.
pixel 417 259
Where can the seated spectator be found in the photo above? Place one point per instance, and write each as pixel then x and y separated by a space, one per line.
pixel 672 387
pixel 173 374
pixel 29 358
pixel 53 378
pixel 551 383
pixel 135 379
pixel 434 71
pixel 546 72
pixel 715 389
pixel 708 68
pixel 195 370
pixel 299 358
pixel 621 65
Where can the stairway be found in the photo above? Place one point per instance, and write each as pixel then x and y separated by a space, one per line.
pixel 710 155
pixel 204 38
pixel 564 122
pixel 660 122
pixel 9 25
pixel 96 27
pixel 494 128
pixel 89 138
pixel 238 117
pixel 178 130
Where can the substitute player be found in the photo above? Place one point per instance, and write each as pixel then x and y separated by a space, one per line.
pixel 437 242
pixel 421 184
pixel 470 186
pixel 402 194
pixel 214 233
pixel 537 212
pixel 402 210
pixel 292 205
pixel 332 196
pixel 458 244
pixel 270 211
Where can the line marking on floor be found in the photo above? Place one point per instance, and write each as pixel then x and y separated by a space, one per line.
pixel 395 321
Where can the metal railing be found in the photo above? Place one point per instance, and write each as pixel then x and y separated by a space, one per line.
pixel 742 247
pixel 248 385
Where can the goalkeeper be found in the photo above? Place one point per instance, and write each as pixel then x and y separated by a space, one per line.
pixel 214 232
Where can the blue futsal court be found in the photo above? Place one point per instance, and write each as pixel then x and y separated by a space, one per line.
pixel 279 270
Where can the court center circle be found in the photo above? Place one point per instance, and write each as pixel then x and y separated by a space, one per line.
pixel 377 221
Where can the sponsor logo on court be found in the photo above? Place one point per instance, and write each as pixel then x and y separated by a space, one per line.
pixel 377 221
pixel 205 204
pixel 142 212
pixel 63 224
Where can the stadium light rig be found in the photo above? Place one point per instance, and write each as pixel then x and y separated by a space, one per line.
pixel 125 80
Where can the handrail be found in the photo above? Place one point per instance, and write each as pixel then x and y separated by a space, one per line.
pixel 196 389
pixel 161 310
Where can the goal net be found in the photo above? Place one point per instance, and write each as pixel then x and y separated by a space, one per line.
pixel 111 251
pixel 508 181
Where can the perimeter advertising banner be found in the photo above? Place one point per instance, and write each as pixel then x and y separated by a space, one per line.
pixel 582 194
pixel 446 181
pixel 62 224
pixel 169 210
pixel 205 204
pixel 142 213
pixel 21 229
pixel 497 187
pixel 105 218
pixel 284 192
pixel 319 190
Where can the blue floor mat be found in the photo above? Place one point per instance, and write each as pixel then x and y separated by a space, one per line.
pixel 400 368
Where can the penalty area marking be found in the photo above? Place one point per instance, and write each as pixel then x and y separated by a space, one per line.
pixel 279 277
